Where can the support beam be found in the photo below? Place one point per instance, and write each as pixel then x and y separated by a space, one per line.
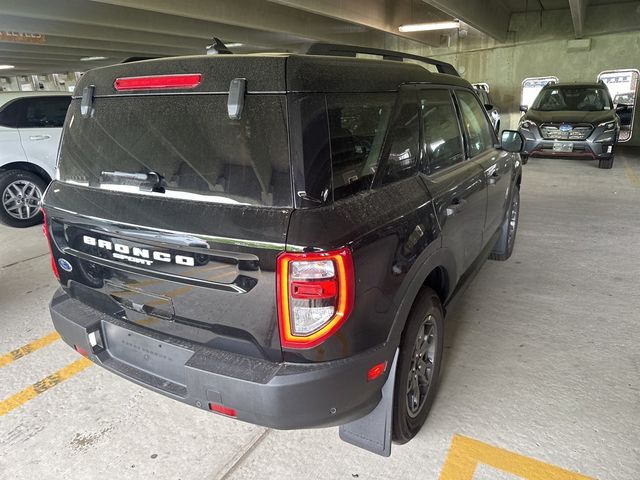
pixel 578 15
pixel 490 17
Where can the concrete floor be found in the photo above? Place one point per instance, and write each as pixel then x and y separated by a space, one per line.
pixel 541 359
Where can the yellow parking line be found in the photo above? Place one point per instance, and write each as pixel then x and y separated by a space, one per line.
pixel 466 453
pixel 633 178
pixel 43 385
pixel 28 348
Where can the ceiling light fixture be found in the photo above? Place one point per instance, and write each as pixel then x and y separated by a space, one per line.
pixel 6 67
pixel 91 59
pixel 235 45
pixel 426 27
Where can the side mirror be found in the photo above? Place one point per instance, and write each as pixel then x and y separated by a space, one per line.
pixel 488 107
pixel 512 141
pixel 524 108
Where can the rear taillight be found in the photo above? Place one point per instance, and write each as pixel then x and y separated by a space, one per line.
pixel 45 229
pixel 158 82
pixel 315 295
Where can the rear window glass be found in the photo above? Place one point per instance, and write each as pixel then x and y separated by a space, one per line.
pixel 188 141
pixel 357 126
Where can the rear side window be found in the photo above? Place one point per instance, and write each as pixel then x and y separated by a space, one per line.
pixel 440 130
pixel 189 141
pixel 357 126
pixel 475 124
pixel 45 112
pixel 401 154
pixel 10 114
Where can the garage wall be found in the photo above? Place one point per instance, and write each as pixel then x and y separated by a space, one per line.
pixel 537 49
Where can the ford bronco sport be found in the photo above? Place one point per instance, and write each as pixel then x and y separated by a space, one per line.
pixel 275 237
pixel 572 119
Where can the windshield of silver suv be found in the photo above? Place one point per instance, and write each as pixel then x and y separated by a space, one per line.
pixel 573 98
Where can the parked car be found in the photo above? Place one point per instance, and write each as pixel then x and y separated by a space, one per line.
pixel 576 119
pixel 30 127
pixel 482 89
pixel 343 204
pixel 624 104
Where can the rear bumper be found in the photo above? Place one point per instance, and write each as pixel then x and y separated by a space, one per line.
pixel 275 395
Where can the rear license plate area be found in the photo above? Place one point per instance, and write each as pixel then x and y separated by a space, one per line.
pixel 145 353
pixel 562 147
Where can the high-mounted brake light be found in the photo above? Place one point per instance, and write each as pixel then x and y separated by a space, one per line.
pixel 315 295
pixel 45 230
pixel 158 82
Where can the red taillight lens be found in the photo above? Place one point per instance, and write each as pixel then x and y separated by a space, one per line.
pixel 229 412
pixel 158 82
pixel 315 295
pixel 81 351
pixel 375 371
pixel 45 229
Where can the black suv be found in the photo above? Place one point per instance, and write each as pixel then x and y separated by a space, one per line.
pixel 573 119
pixel 258 235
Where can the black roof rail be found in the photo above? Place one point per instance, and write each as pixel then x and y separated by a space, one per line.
pixel 337 50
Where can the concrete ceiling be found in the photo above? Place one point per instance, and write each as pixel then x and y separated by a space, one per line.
pixel 52 36
pixel 72 29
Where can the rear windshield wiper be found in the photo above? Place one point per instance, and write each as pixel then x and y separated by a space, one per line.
pixel 148 182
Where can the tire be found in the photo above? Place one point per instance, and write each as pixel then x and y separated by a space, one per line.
pixel 504 246
pixel 426 321
pixel 524 158
pixel 20 194
pixel 606 162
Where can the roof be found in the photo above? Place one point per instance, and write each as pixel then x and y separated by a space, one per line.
pixel 6 97
pixel 274 73
pixel 575 84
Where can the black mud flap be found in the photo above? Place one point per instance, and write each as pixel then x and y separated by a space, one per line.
pixel 373 431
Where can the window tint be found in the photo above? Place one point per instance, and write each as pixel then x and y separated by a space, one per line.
pixel 440 130
pixel 401 154
pixel 357 125
pixel 475 124
pixel 10 114
pixel 189 140
pixel 45 112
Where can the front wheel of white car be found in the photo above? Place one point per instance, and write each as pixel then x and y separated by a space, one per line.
pixel 20 195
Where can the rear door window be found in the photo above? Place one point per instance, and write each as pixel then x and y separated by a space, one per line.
pixel 477 129
pixel 11 113
pixel 441 136
pixel 187 140
pixel 47 112
pixel 357 127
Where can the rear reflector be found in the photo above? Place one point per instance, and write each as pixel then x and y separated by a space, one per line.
pixel 45 230
pixel 315 295
pixel 375 371
pixel 229 412
pixel 81 351
pixel 158 82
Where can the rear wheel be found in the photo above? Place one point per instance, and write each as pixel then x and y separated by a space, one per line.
pixel 20 195
pixel 418 366
pixel 504 246
pixel 606 162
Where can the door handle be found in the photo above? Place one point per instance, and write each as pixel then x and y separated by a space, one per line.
pixel 493 178
pixel 455 207
pixel 39 137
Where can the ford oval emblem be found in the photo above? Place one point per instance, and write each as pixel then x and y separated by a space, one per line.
pixel 65 264
pixel 565 127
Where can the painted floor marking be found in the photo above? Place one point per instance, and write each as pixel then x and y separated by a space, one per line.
pixel 29 393
pixel 633 178
pixel 28 348
pixel 465 454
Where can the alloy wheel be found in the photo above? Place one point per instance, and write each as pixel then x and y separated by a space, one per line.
pixel 21 199
pixel 422 365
